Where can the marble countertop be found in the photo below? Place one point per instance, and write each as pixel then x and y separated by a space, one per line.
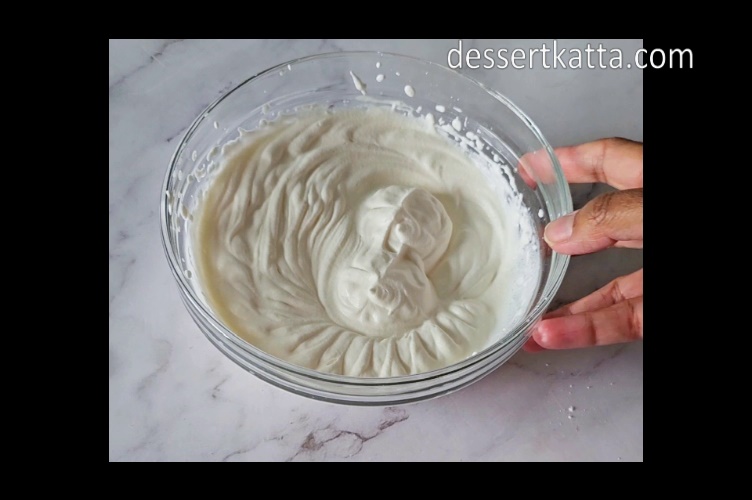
pixel 174 397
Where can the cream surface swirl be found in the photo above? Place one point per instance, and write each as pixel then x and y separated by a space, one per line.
pixel 363 243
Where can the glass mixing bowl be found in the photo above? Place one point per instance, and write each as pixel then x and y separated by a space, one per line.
pixel 407 84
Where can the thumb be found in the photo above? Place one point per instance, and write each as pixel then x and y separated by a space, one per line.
pixel 602 223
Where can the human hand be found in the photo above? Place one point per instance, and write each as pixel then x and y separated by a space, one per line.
pixel 612 314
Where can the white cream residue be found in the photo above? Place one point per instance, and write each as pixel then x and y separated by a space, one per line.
pixel 359 84
pixel 364 243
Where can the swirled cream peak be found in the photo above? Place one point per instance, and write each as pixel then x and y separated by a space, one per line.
pixel 383 289
pixel 361 242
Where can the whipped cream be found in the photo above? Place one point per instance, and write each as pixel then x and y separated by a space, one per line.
pixel 363 243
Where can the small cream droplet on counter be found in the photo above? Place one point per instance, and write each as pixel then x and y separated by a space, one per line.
pixel 216 125
pixel 410 91
pixel 457 124
pixel 440 108
pixel 380 78
pixel 378 64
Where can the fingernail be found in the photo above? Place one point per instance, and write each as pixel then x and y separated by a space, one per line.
pixel 560 230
